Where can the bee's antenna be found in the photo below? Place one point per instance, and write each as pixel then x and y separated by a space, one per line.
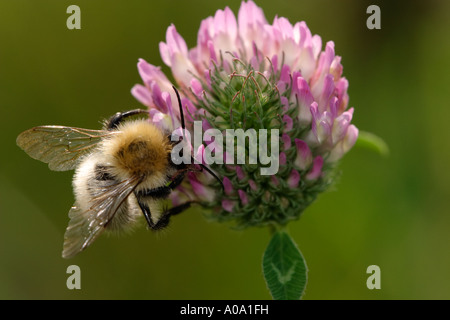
pixel 181 108
pixel 184 127
pixel 213 174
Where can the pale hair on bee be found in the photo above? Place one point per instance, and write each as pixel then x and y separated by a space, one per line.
pixel 121 172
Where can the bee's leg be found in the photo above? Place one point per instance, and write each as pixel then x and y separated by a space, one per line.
pixel 116 119
pixel 164 191
pixel 177 179
pixel 165 217
pixel 146 211
pixel 157 193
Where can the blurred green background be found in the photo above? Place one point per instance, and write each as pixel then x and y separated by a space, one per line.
pixel 392 212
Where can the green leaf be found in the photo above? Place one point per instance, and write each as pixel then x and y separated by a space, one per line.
pixel 371 141
pixel 284 268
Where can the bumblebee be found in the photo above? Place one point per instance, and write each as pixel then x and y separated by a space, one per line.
pixel 121 172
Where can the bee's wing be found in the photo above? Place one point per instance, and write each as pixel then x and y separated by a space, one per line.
pixel 86 225
pixel 60 147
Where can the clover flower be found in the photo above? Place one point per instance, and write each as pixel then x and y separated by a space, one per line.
pixel 245 73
